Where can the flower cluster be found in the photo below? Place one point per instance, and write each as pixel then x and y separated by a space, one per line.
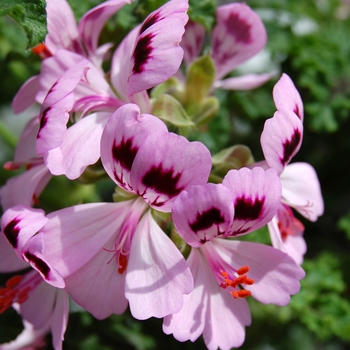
pixel 168 245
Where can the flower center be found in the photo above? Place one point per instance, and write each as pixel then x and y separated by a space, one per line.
pixel 231 284
pixel 13 292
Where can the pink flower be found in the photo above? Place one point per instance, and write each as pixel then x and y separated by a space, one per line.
pixel 280 140
pixel 110 254
pixel 28 291
pixel 225 271
pixel 238 35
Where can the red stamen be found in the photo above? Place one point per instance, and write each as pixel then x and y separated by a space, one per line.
pixel 13 281
pixel 122 263
pixel 42 51
pixel 243 270
pixel 234 283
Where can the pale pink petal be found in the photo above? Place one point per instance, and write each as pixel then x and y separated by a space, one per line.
pixel 80 147
pixel 256 195
pixel 301 190
pixel 287 97
pixel 165 165
pixel 74 235
pixel 157 55
pixel 20 223
pixel 203 213
pixel 189 322
pixel 238 35
pixel 62 28
pixel 25 188
pixel 98 287
pixel 192 41
pixel 92 22
pixel 276 275
pixel 25 96
pixel 244 82
pixel 155 281
pixel 125 132
pixel 55 110
pixel 9 261
pixel 281 139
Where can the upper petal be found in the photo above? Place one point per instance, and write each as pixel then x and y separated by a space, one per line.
pixel 281 139
pixel 157 55
pixel 238 35
pixel 25 96
pixel 256 196
pixel 301 190
pixel 203 213
pixel 157 273
pixel 125 132
pixel 287 97
pixel 166 164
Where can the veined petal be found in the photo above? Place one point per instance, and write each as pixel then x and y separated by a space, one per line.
pixel 155 281
pixel 287 97
pixel 74 235
pixel 157 55
pixel 25 188
pixel 192 41
pixel 125 132
pixel 244 82
pixel 276 275
pixel 98 287
pixel 55 110
pixel 256 196
pixel 62 28
pixel 25 97
pixel 80 147
pixel 281 139
pixel 165 165
pixel 20 223
pixel 301 190
pixel 92 22
pixel 238 35
pixel 189 322
pixel 203 213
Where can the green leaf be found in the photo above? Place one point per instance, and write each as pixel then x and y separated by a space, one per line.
pixel 30 15
pixel 203 12
pixel 344 224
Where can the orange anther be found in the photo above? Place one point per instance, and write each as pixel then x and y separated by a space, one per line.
pixel 244 293
pixel 13 281
pixel 122 262
pixel 243 270
pixel 3 291
pixel 249 281
pixel 224 274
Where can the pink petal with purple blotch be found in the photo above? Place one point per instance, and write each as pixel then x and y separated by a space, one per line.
pixel 281 139
pixel 25 96
pixel 256 196
pixel 238 35
pixel 203 213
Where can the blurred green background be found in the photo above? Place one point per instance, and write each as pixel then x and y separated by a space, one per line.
pixel 308 40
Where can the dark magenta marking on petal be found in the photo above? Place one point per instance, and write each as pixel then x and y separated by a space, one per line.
pixel 43 119
pixel 142 53
pixel 207 219
pixel 290 146
pixel 150 20
pixel 162 181
pixel 38 263
pixel 248 209
pixel 125 153
pixel 11 232
pixel 296 111
pixel 239 28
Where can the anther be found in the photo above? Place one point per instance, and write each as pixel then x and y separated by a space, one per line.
pixel 232 284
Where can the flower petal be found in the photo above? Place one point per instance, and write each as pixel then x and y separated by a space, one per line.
pixel 238 35
pixel 276 275
pixel 287 97
pixel 256 195
pixel 80 147
pixel 301 190
pixel 166 164
pixel 155 280
pixel 203 213
pixel 281 139
pixel 157 55
pixel 25 97
pixel 125 132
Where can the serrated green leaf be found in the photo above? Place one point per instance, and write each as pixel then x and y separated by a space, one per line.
pixel 30 15
pixel 203 12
